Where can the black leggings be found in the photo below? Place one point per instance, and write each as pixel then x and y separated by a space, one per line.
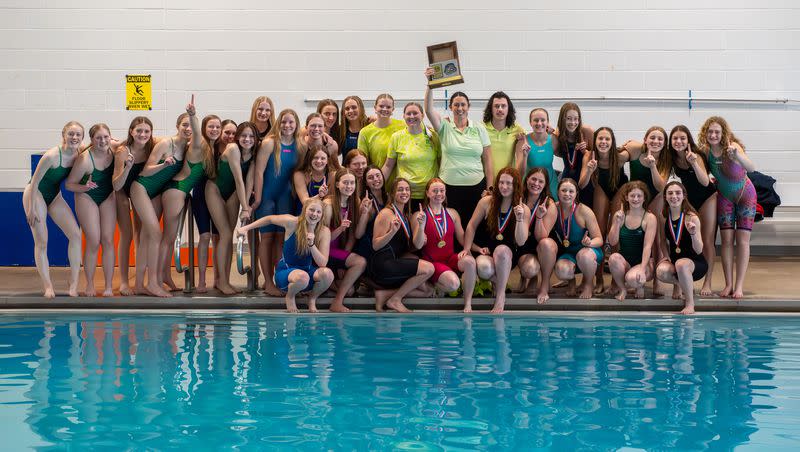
pixel 464 198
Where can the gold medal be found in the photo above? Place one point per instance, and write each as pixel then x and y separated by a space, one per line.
pixel 565 243
pixel 678 249
pixel 441 244
pixel 499 237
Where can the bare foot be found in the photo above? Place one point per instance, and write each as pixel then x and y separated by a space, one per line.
pixel 586 292
pixel 706 291
pixel 141 290
pixel 677 292
pixel 338 306
pixel 201 288
pixel 610 290
pixel 468 307
pixel 73 290
pixel 688 310
pixel 543 297
pixel 380 299
pixel 271 290
pixel 125 290
pixel 621 294
pixel 49 292
pixel 571 289
pixel 725 292
pixel 227 289
pixel 157 291
pixel 524 283
pixel 170 284
pixel 108 292
pixel 312 306
pixel 397 305
pixel 600 289
pixel 291 307
pixel 90 291
pixel 738 294
pixel 499 304
pixel 639 293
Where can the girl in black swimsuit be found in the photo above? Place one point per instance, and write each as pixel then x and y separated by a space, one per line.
pixel 691 164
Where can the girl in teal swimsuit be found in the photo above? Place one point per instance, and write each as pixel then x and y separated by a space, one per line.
pixel 537 150
pixel 199 162
pixel 129 161
pixel 578 238
pixel 227 192
pixel 42 195
pixel 634 229
pixel 91 180
pixel 164 162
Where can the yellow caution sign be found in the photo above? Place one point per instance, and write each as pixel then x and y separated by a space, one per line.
pixel 138 92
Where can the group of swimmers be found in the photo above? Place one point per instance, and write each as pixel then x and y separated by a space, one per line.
pixel 400 207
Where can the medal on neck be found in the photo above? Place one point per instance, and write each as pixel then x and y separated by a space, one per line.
pixel 441 229
pixel 502 222
pixel 676 231
pixel 566 224
pixel 571 157
pixel 402 219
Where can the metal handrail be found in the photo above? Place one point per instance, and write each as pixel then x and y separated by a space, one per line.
pixel 250 270
pixel 186 216
pixel 613 99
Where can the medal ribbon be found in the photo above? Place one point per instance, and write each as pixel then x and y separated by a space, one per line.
pixel 676 236
pixel 571 158
pixel 561 221
pixel 441 229
pixel 402 219
pixel 503 222
pixel 533 214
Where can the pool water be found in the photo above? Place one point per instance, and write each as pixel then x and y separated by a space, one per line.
pixel 391 382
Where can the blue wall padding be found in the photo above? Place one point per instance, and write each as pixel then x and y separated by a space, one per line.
pixel 18 249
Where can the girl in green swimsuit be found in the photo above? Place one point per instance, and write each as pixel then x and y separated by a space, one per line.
pixel 199 161
pixel 635 229
pixel 95 205
pixel 42 195
pixel 227 192
pixel 164 162
pixel 129 161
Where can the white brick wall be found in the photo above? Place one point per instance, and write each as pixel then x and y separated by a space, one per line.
pixel 66 60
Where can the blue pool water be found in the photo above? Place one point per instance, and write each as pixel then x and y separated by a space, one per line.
pixel 419 382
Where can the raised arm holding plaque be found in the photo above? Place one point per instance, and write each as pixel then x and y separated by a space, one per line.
pixel 443 58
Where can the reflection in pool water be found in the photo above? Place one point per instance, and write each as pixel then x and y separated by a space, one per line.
pixel 421 382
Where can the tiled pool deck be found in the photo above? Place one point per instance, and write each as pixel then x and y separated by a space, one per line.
pixel 772 284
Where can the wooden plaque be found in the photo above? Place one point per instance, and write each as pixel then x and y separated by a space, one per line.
pixel 443 58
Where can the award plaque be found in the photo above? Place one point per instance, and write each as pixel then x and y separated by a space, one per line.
pixel 443 58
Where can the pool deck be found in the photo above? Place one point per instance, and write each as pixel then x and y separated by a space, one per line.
pixel 772 285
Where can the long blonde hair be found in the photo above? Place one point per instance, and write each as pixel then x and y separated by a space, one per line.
pixel 275 135
pixel 271 121
pixel 301 231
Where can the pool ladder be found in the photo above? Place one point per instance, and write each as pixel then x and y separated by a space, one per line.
pixel 250 270
pixel 188 271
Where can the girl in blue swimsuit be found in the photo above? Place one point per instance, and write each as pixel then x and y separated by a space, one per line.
pixel 276 160
pixel 305 253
